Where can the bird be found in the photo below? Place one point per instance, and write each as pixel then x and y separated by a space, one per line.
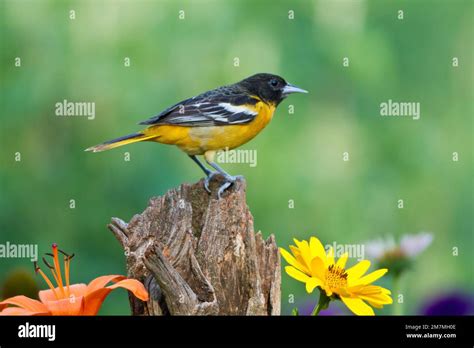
pixel 223 118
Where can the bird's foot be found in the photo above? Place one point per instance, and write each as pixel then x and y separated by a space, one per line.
pixel 229 181
pixel 208 179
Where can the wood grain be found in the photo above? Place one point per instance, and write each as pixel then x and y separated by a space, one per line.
pixel 198 255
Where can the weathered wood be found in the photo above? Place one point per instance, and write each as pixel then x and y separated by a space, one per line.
pixel 198 255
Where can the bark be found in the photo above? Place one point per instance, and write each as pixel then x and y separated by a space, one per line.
pixel 198 255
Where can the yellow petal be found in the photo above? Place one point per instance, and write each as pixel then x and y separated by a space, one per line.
pixel 302 266
pixel 357 306
pixel 318 269
pixel 295 250
pixel 298 275
pixel 297 242
pixel 327 290
pixel 373 304
pixel 369 278
pixel 356 271
pixel 375 295
pixel 341 262
pixel 303 246
pixel 317 249
pixel 378 299
pixel 291 260
pixel 367 290
pixel 311 284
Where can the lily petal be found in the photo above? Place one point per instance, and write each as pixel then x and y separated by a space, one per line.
pixel 75 290
pixel 101 282
pixel 26 303
pixel 93 300
pixel 132 285
pixel 19 311
pixel 67 306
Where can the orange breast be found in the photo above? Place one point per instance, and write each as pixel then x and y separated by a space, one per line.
pixel 198 140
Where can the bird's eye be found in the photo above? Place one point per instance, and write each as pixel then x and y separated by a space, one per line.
pixel 273 82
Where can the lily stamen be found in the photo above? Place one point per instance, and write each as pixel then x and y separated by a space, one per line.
pixel 67 262
pixel 56 272
pixel 58 267
pixel 55 276
pixel 46 279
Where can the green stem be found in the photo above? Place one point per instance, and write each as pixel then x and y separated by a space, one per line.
pixel 397 307
pixel 323 303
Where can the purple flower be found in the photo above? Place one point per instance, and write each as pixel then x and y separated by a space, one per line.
pixel 451 303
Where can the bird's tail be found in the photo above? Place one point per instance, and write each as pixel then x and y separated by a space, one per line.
pixel 127 139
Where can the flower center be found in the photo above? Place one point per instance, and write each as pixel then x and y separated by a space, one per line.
pixel 62 290
pixel 336 277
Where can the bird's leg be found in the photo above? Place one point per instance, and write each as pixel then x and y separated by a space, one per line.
pixel 209 174
pixel 229 179
pixel 198 162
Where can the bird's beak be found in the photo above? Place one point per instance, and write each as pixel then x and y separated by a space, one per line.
pixel 289 88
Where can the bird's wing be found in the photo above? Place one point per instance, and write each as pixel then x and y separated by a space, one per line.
pixel 222 106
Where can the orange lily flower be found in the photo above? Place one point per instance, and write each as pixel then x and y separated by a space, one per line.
pixel 67 299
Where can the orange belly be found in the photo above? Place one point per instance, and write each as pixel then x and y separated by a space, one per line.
pixel 198 140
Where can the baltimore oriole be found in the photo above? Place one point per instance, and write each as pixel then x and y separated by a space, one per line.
pixel 223 118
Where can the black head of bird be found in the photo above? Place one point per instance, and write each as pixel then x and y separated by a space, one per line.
pixel 270 88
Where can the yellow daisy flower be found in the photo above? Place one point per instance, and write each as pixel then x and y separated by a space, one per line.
pixel 310 264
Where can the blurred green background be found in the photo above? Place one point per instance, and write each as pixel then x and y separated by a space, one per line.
pixel 299 155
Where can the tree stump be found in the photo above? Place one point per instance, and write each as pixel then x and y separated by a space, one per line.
pixel 199 255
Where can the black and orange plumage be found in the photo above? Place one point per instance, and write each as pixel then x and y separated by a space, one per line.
pixel 222 118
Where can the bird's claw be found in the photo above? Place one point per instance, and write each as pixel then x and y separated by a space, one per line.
pixel 208 179
pixel 229 181
pixel 223 187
